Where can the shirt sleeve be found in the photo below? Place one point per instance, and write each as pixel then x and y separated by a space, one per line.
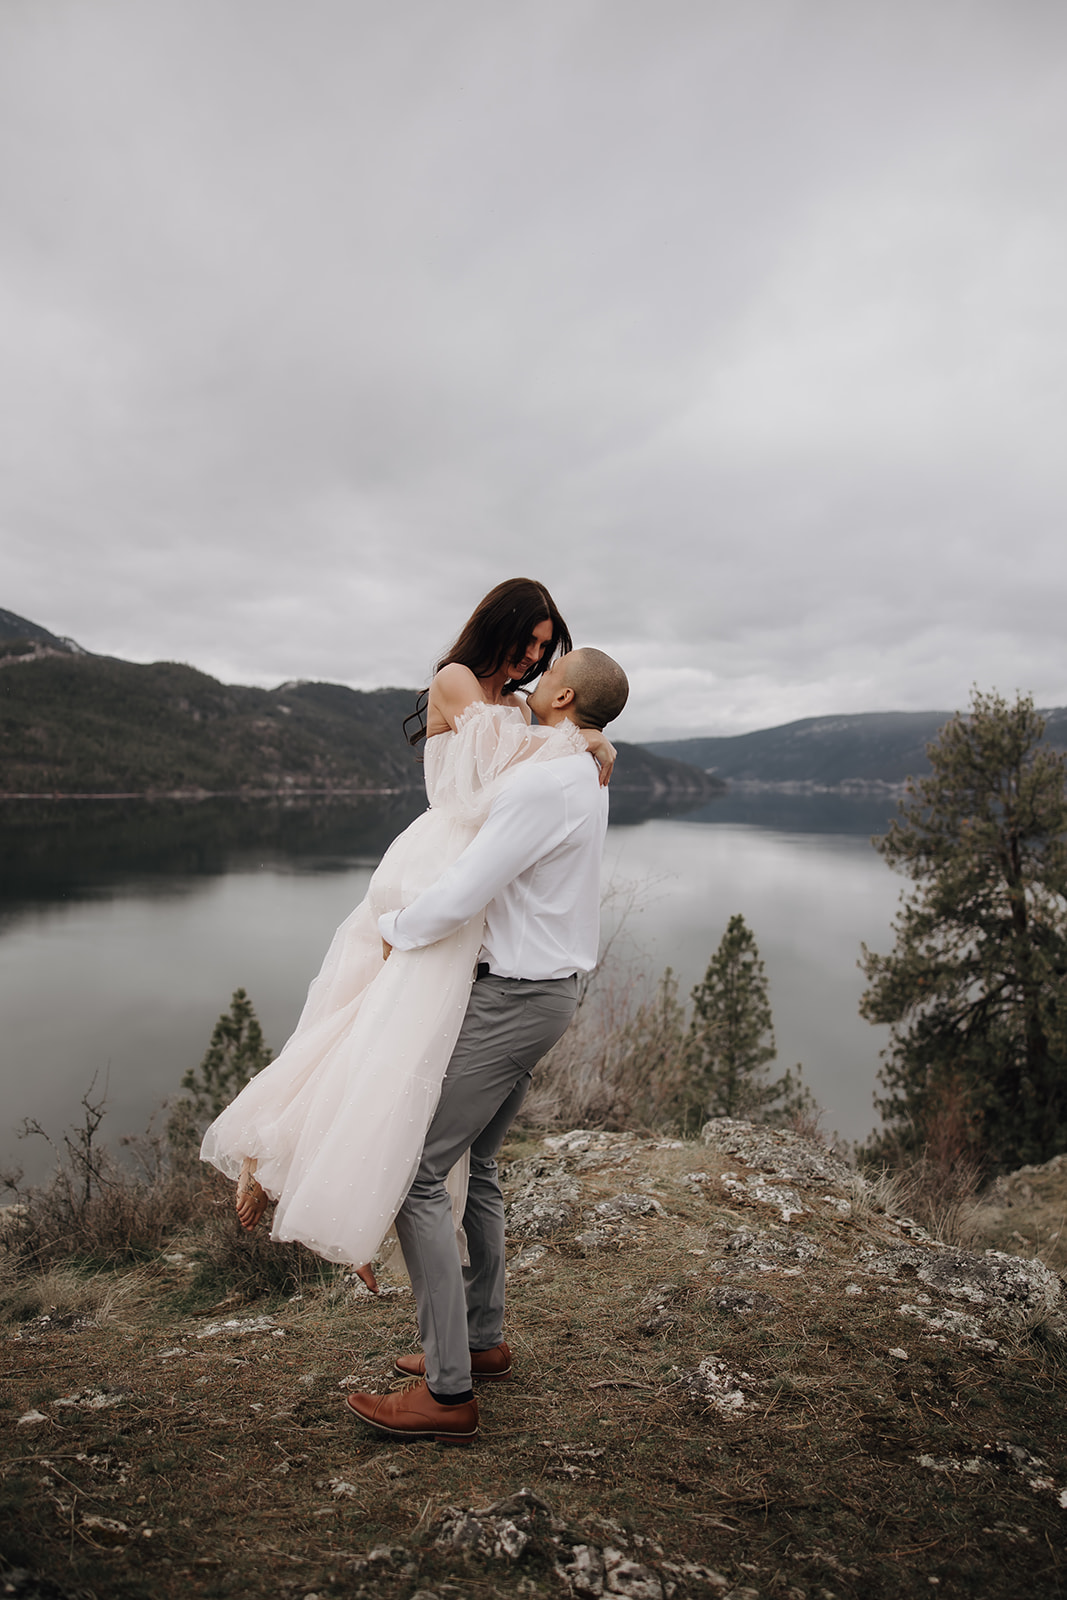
pixel 527 819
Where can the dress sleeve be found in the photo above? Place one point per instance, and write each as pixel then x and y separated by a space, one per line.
pixel 529 818
pixel 489 742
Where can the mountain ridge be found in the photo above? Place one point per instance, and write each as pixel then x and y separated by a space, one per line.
pixel 72 723
pixel 867 749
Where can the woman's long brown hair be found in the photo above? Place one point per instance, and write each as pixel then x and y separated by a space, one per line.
pixel 499 628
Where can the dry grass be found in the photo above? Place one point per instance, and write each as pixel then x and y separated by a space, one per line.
pixel 61 1293
pixel 621 1064
pixel 97 1214
pixel 238 1456
pixel 1025 1213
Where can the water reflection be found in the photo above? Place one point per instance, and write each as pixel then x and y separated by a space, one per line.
pixel 69 849
pixel 787 812
pixel 66 849
pixel 125 926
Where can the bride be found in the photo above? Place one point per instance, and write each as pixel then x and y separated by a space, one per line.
pixel 333 1128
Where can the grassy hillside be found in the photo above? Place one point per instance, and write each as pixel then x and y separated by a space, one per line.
pixel 873 747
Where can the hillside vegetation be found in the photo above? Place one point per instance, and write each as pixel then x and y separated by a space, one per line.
pixel 92 724
pixel 877 747
pixel 81 724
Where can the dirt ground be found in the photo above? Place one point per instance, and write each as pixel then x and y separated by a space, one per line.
pixel 715 1393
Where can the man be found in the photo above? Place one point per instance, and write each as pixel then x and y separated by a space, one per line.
pixel 535 866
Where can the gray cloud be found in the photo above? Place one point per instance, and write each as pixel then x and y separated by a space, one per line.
pixel 740 327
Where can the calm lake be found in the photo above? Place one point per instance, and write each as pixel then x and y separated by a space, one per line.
pixel 125 927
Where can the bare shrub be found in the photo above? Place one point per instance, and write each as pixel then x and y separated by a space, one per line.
pixel 96 1208
pixel 251 1265
pixel 805 1120
pixel 937 1193
pixel 619 1063
pixel 939 1197
pixel 937 1186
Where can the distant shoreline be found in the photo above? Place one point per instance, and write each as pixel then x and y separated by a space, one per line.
pixel 294 793
pixel 856 786
pixel 210 794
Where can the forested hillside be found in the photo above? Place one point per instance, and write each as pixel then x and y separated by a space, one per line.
pixel 82 724
pixel 92 724
pixel 871 747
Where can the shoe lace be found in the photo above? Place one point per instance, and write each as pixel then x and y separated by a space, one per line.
pixel 403 1385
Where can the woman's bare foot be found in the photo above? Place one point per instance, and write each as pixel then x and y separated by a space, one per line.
pixel 366 1272
pixel 251 1196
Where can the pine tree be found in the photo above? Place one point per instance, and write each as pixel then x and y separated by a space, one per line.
pixel 730 1042
pixel 974 990
pixel 235 1054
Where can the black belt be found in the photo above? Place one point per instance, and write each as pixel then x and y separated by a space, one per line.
pixel 482 971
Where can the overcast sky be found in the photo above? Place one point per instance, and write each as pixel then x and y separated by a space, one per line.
pixel 740 324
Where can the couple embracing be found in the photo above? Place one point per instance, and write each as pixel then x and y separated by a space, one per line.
pixel 438 996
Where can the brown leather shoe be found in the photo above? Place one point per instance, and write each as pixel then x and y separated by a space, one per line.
pixel 415 1414
pixel 486 1365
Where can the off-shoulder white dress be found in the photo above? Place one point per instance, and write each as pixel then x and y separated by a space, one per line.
pixel 337 1122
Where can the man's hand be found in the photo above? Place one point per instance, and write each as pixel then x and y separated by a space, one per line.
pixel 387 950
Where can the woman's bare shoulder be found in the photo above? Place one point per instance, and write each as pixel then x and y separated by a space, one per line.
pixel 456 679
pixel 453 689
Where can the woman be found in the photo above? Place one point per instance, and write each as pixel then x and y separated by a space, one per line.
pixel 332 1130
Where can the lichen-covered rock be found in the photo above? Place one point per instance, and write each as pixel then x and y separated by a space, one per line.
pixel 689 1573
pixel 1010 1290
pixel 756 1190
pixel 588 1141
pixel 103 1530
pixel 949 1320
pixel 713 1383
pixel 624 1576
pixel 739 1302
pixel 501 1531
pixel 238 1327
pixel 93 1399
pixel 614 1238
pixel 628 1205
pixel 775 1150
pixel 584 1572
pixel 523 1173
pixel 755 1251
pixel 522 1530
pixel 544 1207
pixel 529 1256
pixel 662 1308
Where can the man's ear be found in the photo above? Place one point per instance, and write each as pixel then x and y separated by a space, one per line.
pixel 564 696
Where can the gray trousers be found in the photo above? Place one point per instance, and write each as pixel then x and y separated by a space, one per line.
pixel 510 1024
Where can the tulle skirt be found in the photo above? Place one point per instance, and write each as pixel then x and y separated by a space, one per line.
pixel 337 1123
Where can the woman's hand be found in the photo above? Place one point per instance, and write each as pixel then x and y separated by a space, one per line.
pixel 603 752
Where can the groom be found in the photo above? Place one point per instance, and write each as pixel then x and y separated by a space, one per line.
pixel 535 866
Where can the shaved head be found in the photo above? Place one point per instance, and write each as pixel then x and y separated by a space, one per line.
pixel 599 683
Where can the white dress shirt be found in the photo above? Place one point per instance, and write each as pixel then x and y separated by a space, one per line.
pixel 534 867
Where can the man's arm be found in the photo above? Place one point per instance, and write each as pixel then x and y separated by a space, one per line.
pixel 527 819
